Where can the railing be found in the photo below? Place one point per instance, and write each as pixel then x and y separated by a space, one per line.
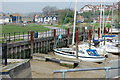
pixel 21 36
pixel 44 43
pixel 88 69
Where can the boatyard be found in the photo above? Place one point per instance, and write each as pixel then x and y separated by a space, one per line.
pixel 61 43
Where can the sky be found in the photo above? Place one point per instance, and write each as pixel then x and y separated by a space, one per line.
pixel 27 6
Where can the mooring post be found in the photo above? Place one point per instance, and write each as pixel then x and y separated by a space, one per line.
pixel 4 53
pixel 77 43
pixel 89 37
pixel 31 40
pixel 104 34
pixel 98 33
pixel 54 38
pixel 83 31
pixel 68 34
pixel 108 29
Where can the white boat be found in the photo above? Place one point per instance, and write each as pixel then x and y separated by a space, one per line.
pixel 89 55
pixel 115 30
pixel 84 54
pixel 110 48
pixel 100 51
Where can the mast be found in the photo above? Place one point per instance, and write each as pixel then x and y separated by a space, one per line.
pixel 100 17
pixel 103 25
pixel 112 18
pixel 73 38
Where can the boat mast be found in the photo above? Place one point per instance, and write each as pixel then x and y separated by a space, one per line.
pixel 73 38
pixel 112 18
pixel 100 17
pixel 103 20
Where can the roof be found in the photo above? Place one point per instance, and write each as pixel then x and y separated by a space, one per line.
pixel 15 14
pixel 3 17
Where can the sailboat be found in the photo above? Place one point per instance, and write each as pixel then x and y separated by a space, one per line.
pixel 84 54
pixel 111 46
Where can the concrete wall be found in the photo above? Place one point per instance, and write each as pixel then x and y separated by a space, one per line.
pixel 18 69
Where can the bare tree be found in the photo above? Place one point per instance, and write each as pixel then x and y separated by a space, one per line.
pixel 48 10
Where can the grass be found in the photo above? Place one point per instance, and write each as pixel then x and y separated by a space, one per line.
pixel 18 28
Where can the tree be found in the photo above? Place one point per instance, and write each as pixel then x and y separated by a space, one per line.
pixel 65 16
pixel 49 10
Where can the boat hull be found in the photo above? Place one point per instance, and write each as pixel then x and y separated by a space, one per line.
pixel 83 58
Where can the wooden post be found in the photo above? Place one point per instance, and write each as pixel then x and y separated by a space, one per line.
pixel 98 33
pixel 104 34
pixel 83 31
pixel 55 38
pixel 108 29
pixel 68 34
pixel 31 40
pixel 89 37
pixel 4 53
pixel 77 43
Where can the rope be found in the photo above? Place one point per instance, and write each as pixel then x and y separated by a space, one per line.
pixel 60 36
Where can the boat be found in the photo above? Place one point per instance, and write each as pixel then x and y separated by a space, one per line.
pixel 89 55
pixel 84 54
pixel 111 48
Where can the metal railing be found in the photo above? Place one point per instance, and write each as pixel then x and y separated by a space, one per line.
pixel 88 69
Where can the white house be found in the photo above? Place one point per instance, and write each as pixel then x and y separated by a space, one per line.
pixel 46 19
pixel 5 19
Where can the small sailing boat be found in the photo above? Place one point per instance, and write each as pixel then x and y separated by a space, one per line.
pixel 84 54
pixel 90 55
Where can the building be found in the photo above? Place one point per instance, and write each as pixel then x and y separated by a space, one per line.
pixel 107 19
pixel 5 19
pixel 16 17
pixel 90 7
pixel 46 19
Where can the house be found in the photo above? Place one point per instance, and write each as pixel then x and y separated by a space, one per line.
pixel 27 19
pixel 90 7
pixel 5 19
pixel 107 19
pixel 46 19
pixel 15 17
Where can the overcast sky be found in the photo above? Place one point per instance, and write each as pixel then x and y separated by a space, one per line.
pixel 27 6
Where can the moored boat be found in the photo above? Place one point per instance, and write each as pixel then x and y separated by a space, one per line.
pixel 90 55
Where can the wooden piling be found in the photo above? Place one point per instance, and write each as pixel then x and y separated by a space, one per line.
pixel 68 36
pixel 55 38
pixel 77 43
pixel 104 34
pixel 98 33
pixel 89 37
pixel 31 40
pixel 83 33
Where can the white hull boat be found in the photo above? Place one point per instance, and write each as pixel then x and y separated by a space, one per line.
pixel 111 49
pixel 89 55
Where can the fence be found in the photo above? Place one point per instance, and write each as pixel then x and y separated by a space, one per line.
pixel 88 69
pixel 43 44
